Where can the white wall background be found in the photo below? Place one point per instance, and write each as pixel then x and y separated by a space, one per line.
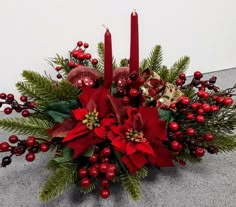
pixel 32 31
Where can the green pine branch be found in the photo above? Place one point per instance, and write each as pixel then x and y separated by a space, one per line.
pixel 142 173
pixel 179 67
pixel 88 189
pixel 155 58
pixel 67 91
pixel 131 184
pixel 164 73
pixel 225 143
pixel 63 177
pixel 59 60
pixel 26 126
pixel 189 158
pixel 144 64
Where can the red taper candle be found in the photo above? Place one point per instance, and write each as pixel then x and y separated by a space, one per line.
pixel 107 59
pixel 134 44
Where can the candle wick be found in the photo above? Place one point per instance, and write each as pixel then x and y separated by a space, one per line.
pixel 134 12
pixel 105 27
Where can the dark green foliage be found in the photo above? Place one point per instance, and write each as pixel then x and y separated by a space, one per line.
pixel 124 62
pixel 225 143
pixel 155 59
pixel 164 72
pixel 189 158
pixel 143 64
pixel 63 177
pixel 26 126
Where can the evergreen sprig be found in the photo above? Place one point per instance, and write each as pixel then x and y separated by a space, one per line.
pixel 59 60
pixel 88 189
pixel 189 158
pixel 26 126
pixel 225 143
pixel 64 176
pixel 155 59
pixel 144 64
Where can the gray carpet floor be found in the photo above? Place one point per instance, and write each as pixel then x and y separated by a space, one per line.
pixel 211 183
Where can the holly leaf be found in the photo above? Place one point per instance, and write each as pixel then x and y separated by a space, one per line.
pixel 67 155
pixel 165 115
pixel 89 152
pixel 61 110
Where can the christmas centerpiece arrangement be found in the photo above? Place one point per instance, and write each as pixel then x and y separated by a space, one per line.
pixel 106 124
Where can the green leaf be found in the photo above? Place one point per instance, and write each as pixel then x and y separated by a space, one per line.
pixel 89 152
pixel 164 114
pixel 61 110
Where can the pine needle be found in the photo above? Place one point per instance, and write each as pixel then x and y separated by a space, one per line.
pixel 155 58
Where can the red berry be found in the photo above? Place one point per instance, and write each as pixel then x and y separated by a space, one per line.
pixel 44 147
pixel 200 111
pixel 133 93
pixel 105 193
pixel 30 141
pixel 201 94
pixel 93 158
pixel 23 98
pixel 105 160
pixel 87 56
pixel 94 61
pixel 208 137
pixel 59 76
pixel 228 101
pixel 103 167
pixel 8 110
pixel 110 174
pixel 214 98
pixel 197 75
pixel 185 101
pixel 182 76
pixel 3 96
pixel 10 97
pixel 173 106
pixel 125 100
pixel 93 172
pixel 190 132
pixel 174 126
pixel 199 152
pixel 81 56
pixel 86 45
pixel 79 44
pixel 4 146
pixel 189 116
pixel 140 81
pixel 71 64
pixel 104 183
pixel 200 118
pixel 25 113
pixel 220 100
pixel 194 105
pixel 180 148
pixel 32 104
pixel 30 157
pixel 179 82
pixel 206 107
pixel 214 108
pixel 85 182
pixel 106 152
pixel 58 68
pixel 96 165
pixel 175 145
pixel 13 139
pixel 112 167
pixel 75 53
pixel 206 95
pixel 97 148
pixel 82 172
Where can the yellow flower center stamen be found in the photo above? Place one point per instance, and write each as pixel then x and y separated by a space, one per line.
pixel 91 120
pixel 135 136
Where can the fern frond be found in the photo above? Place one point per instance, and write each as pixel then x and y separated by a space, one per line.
pixel 155 58
pixel 26 126
pixel 63 177
pixel 179 67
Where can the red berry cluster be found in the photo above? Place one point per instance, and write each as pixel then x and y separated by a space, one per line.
pixel 31 145
pixel 78 57
pixel 23 108
pixel 197 82
pixel 99 167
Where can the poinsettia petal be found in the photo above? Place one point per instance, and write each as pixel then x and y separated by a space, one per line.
pixel 111 135
pixel 86 95
pixel 138 159
pixel 108 121
pixel 117 143
pixel 79 130
pixel 131 148
pixel 100 132
pixel 80 113
pixel 145 148
pixel 129 164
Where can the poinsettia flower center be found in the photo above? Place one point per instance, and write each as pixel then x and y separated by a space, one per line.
pixel 91 120
pixel 135 136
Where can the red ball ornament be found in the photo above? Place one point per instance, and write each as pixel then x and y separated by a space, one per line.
pixel 85 182
pixel 174 126
pixel 200 118
pixel 104 183
pixel 93 171
pixel 179 82
pixel 199 152
pixel 25 113
pixel 79 44
pixel 30 142
pixel 87 56
pixel 94 61
pixel 23 98
pixel 13 139
pixel 182 76
pixel 8 110
pixel 206 107
pixel 82 172
pixel 197 75
pixel 4 146
pixel 105 193
pixel 30 157
pixel 93 158
pixel 44 147
pixel 190 132
pixel 185 100
pixel 133 93
pixel 175 145
pixel 208 137
pixel 106 152
pixel 228 101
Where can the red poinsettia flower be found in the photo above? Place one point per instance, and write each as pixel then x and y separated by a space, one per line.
pixel 139 139
pixel 92 120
